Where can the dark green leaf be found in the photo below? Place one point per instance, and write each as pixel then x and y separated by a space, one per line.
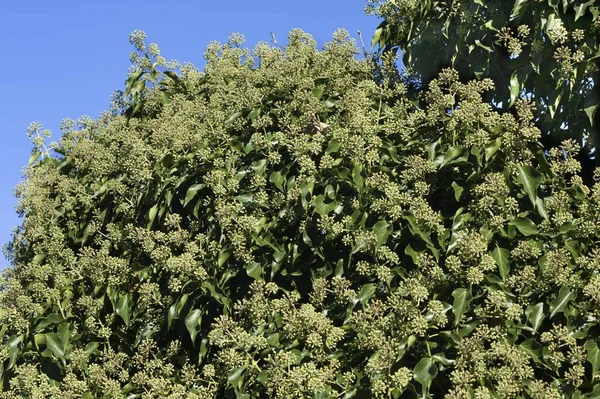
pixel 530 179
pixel 559 304
pixel 524 225
pixel 152 215
pixel 502 256
pixel 123 308
pixel 593 356
pixel 55 345
pixel 423 373
pixel 236 375
pixel 457 191
pixel 366 292
pixel 192 192
pixel 535 315
pixel 461 303
pixel 192 321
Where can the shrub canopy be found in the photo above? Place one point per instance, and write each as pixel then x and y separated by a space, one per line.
pixel 281 225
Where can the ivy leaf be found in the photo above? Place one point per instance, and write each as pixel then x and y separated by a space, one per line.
pixel 236 376
pixel 34 157
pixel 518 9
pixel 232 117
pixel 55 345
pixel 560 303
pixel 589 111
pixel 192 192
pixel 192 320
pixel 530 179
pixel 366 292
pixel 382 231
pixel 580 9
pixel 133 78
pixel 175 309
pixel 457 191
pixel 535 315
pixel 123 308
pixel 524 225
pixel 90 348
pixel 460 304
pixel 375 40
pixel 501 256
pixel 423 373
pixel 593 356
pixel 515 88
pixel 152 215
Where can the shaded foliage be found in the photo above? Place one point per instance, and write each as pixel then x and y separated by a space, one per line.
pixel 546 50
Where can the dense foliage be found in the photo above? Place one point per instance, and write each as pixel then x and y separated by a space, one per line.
pixel 283 225
pixel 544 49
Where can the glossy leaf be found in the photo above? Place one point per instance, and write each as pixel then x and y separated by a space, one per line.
pixel 559 304
pixel 502 258
pixel 461 303
pixel 535 315
pixel 530 179
pixel 524 225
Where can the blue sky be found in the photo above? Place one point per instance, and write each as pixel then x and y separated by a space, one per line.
pixel 65 58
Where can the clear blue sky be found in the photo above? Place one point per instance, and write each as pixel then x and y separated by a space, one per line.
pixel 64 58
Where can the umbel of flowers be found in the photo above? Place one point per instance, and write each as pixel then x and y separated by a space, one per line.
pixel 286 223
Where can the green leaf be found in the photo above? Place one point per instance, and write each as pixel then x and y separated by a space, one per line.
pixel 357 176
pixel 244 198
pixel 518 9
pixel 457 191
pixel 232 117
pixel 452 154
pixel 192 321
pixel 442 359
pixel 366 292
pixel 535 315
pixel 175 309
pixel 376 37
pixel 173 76
pixel 382 230
pixel 52 318
pixel 593 356
pixel 541 208
pixel 277 179
pixel 589 111
pixel 192 192
pixel 524 225
pixel 333 146
pixel 532 348
pixel 152 215
pixel 123 308
pixel 129 86
pixel 236 375
pixel 423 373
pixel 55 346
pixel 515 88
pixel 530 179
pixel 492 148
pixel 90 348
pixel 559 304
pixel 254 270
pixel 34 157
pixel 580 9
pixel 461 303
pixel 502 256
